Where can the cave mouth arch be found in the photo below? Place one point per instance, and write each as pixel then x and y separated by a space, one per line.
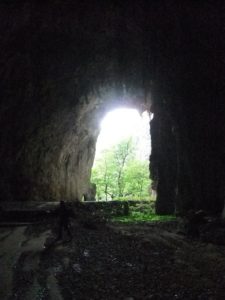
pixel 55 156
pixel 124 132
pixel 79 142
pixel 51 95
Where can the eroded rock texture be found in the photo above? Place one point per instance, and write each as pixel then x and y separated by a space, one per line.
pixel 63 65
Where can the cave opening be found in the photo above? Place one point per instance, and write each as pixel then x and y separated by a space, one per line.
pixel 64 65
pixel 121 165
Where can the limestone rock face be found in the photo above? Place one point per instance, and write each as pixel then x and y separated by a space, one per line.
pixel 53 160
pixel 64 65
pixel 60 75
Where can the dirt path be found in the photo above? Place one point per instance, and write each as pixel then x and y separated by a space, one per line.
pixel 109 262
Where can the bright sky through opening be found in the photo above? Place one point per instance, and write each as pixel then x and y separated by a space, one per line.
pixel 123 123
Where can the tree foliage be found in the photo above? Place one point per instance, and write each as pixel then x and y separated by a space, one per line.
pixel 118 174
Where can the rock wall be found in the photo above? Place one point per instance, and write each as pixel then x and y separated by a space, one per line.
pixel 63 65
pixel 163 159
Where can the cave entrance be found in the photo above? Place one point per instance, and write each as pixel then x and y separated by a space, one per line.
pixel 121 165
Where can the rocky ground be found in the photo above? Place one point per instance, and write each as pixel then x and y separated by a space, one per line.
pixel 109 261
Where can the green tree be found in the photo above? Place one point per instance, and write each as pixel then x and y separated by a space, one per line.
pixel 119 175
pixel 123 153
pixel 103 175
pixel 137 179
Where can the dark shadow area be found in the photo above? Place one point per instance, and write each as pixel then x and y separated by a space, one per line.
pixel 109 260
pixel 64 64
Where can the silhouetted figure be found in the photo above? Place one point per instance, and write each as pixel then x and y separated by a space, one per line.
pixel 64 221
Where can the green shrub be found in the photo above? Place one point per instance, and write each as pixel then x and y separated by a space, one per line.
pixel 135 217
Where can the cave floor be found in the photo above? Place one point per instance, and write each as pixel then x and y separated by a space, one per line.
pixel 110 261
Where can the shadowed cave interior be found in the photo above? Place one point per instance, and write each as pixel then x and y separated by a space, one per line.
pixel 55 90
pixel 63 67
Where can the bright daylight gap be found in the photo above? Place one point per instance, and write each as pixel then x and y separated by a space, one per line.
pixel 121 165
